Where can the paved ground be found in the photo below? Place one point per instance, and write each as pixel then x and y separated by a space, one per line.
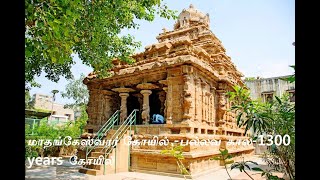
pixel 67 171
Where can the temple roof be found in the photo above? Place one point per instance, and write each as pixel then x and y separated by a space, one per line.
pixel 191 16
pixel 191 36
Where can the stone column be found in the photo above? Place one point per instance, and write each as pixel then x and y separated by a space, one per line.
pixel 187 99
pixel 162 98
pixel 165 103
pixel 140 98
pixel 124 94
pixel 213 107
pixel 204 103
pixel 165 96
pixel 146 91
pixel 197 98
pixel 221 104
pixel 145 107
pixel 91 110
pixel 123 107
pixel 188 94
pixel 107 105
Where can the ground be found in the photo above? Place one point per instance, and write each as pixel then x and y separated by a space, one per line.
pixel 67 171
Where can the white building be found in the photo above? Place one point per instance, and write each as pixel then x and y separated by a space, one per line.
pixel 59 113
pixel 267 88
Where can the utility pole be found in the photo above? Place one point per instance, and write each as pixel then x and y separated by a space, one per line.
pixel 54 92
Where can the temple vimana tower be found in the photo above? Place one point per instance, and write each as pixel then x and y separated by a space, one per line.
pixel 184 77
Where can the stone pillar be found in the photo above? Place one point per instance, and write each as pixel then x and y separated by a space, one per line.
pixel 123 107
pixel 188 94
pixel 213 107
pixel 107 105
pixel 140 98
pixel 107 109
pixel 221 104
pixel 99 101
pixel 165 95
pixel 162 98
pixel 91 110
pixel 146 91
pixel 175 94
pixel 165 104
pixel 169 101
pixel 197 100
pixel 187 99
pixel 124 94
pixel 145 107
pixel 203 104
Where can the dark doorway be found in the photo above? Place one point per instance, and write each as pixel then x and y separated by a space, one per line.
pixel 133 103
pixel 155 103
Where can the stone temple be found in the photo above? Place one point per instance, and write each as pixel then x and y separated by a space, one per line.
pixel 184 77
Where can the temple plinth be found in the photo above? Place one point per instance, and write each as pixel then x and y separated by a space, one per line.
pixel 184 77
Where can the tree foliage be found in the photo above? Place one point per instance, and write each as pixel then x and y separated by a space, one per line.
pixel 291 78
pixel 28 100
pixel 56 30
pixel 76 91
pixel 243 165
pixel 48 131
pixel 249 78
pixel 177 153
pixel 250 114
pixel 271 118
pixel 224 156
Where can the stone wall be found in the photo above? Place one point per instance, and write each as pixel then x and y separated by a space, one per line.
pixel 102 104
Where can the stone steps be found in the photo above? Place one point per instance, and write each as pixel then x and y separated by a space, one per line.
pixel 90 171
pixel 92 166
pixel 95 153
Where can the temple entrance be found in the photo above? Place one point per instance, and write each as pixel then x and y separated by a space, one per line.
pixel 155 104
pixel 133 103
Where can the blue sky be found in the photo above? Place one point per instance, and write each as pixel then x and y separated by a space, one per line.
pixel 257 35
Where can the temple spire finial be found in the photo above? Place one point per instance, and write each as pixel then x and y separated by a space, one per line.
pixel 191 6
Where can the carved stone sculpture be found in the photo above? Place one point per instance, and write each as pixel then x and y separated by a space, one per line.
pixel 145 114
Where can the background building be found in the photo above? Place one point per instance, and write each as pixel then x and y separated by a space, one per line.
pixel 59 113
pixel 266 88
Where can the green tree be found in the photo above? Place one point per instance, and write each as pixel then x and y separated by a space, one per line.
pixel 249 78
pixel 76 91
pixel 224 156
pixel 176 152
pixel 250 114
pixel 282 157
pixel 27 99
pixel 291 78
pixel 275 118
pixel 243 165
pixel 56 30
